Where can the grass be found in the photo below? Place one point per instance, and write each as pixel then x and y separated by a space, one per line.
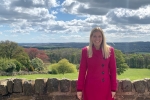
pixel 132 74
pixel 135 74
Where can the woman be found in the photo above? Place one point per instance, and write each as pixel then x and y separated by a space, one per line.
pixel 97 72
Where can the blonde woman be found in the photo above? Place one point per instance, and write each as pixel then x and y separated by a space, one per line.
pixel 97 72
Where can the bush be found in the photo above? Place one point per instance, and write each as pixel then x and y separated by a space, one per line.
pixel 18 65
pixel 7 65
pixel 148 66
pixel 10 67
pixel 54 68
pixel 62 67
pixel 37 64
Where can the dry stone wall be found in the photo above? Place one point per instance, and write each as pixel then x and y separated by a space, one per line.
pixel 64 89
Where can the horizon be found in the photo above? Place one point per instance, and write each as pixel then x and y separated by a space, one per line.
pixel 88 42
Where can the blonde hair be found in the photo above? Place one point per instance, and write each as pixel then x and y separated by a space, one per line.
pixel 104 46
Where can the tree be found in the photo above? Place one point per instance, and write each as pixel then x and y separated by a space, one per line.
pixel 63 66
pixel 8 49
pixel 12 50
pixel 121 65
pixel 34 52
pixel 72 54
pixel 37 64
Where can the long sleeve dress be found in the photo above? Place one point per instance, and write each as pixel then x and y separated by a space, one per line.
pixel 97 75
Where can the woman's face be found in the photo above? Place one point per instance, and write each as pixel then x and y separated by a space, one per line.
pixel 96 39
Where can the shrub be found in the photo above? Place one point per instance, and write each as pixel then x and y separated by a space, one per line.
pixel 10 67
pixel 54 68
pixel 37 64
pixel 148 66
pixel 62 67
pixel 18 65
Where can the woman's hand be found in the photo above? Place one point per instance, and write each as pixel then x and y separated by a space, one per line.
pixel 113 94
pixel 79 95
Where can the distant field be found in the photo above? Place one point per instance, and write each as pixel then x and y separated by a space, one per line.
pixel 132 74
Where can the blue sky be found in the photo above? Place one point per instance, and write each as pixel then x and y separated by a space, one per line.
pixel 57 21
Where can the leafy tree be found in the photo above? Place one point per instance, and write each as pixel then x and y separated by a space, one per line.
pixel 7 65
pixel 8 49
pixel 10 67
pixel 120 61
pixel 34 52
pixel 17 64
pixel 12 50
pixel 62 67
pixel 3 63
pixel 138 60
pixel 37 64
pixel 65 67
pixel 72 54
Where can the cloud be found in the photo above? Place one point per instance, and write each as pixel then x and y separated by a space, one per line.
pixel 100 7
pixel 118 18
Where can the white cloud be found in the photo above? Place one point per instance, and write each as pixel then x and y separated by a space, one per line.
pixel 119 19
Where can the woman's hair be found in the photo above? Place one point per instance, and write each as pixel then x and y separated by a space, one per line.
pixel 104 46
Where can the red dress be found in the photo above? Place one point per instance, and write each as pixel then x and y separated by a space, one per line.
pixel 97 75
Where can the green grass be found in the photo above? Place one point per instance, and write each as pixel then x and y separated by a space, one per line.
pixel 132 74
pixel 135 74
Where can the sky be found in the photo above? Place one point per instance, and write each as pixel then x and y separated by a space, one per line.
pixel 61 21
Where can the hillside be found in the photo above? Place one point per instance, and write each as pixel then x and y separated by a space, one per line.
pixel 126 47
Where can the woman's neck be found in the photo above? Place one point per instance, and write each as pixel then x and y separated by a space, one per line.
pixel 97 47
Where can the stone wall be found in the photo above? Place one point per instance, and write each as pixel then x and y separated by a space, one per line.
pixel 54 89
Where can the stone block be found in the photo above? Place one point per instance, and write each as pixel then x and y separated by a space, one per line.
pixel 64 85
pixel 40 86
pixel 119 87
pixel 126 86
pixel 148 84
pixel 17 87
pixel 10 86
pixel 52 85
pixel 28 87
pixel 3 87
pixel 140 86
pixel 73 86
pixel 3 90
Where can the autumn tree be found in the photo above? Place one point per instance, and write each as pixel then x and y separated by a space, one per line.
pixel 34 52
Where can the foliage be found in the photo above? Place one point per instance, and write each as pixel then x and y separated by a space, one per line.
pixel 12 50
pixel 54 68
pixel 120 62
pixel 17 64
pixel 63 66
pixel 7 65
pixel 72 54
pixel 138 60
pixel 148 66
pixel 34 52
pixel 10 67
pixel 37 64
